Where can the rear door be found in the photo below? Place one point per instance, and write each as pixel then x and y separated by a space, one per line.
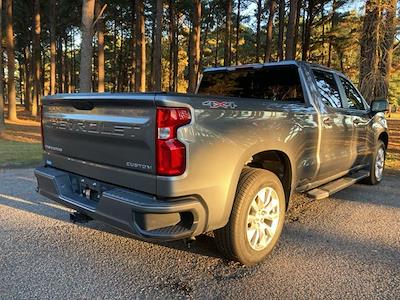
pixel 359 112
pixel 337 152
pixel 105 137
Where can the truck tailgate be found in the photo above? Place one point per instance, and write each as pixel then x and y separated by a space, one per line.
pixel 105 136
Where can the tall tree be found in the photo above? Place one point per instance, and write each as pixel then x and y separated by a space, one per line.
pixel 140 48
pixel 369 54
pixel 386 49
pixel 268 46
pixel 281 28
pixel 228 30
pixel 2 125
pixel 291 30
pixel 237 32
pixel 87 46
pixel 258 30
pixel 157 45
pixel 100 47
pixel 308 28
pixel 12 103
pixel 53 49
pixel 173 51
pixel 133 45
pixel 36 59
pixel 194 59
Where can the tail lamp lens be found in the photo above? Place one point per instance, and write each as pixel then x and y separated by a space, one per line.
pixel 171 153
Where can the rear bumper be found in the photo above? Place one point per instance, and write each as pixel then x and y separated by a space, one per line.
pixel 139 214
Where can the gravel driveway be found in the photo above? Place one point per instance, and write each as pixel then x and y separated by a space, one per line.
pixel 347 246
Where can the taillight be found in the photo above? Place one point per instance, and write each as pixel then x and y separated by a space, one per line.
pixel 171 153
pixel 41 124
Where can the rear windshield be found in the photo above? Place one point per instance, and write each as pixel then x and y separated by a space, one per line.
pixel 280 83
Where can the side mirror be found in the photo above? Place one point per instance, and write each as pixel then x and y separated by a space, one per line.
pixel 379 105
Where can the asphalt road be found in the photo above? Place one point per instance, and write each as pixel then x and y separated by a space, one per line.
pixel 347 246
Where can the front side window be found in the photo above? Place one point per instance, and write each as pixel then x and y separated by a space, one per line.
pixel 328 88
pixel 354 100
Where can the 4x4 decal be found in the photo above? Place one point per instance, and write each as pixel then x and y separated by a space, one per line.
pixel 220 104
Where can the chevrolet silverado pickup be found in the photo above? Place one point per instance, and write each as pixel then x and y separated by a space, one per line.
pixel 167 166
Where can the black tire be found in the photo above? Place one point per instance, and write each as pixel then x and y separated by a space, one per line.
pixel 372 179
pixel 232 239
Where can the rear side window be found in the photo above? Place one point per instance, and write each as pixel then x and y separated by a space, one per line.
pixel 270 83
pixel 354 100
pixel 328 88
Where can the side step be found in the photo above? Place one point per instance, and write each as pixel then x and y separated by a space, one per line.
pixel 337 185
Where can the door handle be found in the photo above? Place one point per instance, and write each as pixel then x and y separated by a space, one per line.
pixel 327 121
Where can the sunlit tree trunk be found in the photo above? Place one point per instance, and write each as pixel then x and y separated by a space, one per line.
pixel 194 59
pixel 258 30
pixel 237 32
pixel 157 46
pixel 291 30
pixel 268 46
pixel 53 49
pixel 140 48
pixel 12 104
pixel 281 28
pixel 369 54
pixel 173 53
pixel 2 125
pixel 36 60
pixel 87 46
pixel 28 76
pixel 133 46
pixel 100 48
pixel 228 29
pixel 386 49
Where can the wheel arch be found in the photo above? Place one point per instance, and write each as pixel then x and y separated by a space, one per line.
pixel 384 137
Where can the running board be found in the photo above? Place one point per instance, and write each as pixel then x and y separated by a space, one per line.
pixel 337 185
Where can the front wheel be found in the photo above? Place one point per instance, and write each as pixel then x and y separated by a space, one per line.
pixel 256 220
pixel 377 164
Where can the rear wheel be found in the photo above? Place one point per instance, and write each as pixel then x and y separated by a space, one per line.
pixel 256 220
pixel 377 164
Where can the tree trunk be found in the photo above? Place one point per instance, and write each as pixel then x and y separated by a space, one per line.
pixel 173 46
pixel 291 30
pixel 258 30
pixel 237 33
pixel 100 48
pixel 194 60
pixel 86 46
pixel 36 60
pixel 369 54
pixel 281 28
pixel 28 90
pixel 216 44
pixel 386 50
pixel 2 124
pixel 12 104
pixel 307 30
pixel 141 48
pixel 228 29
pixel 133 46
pixel 157 46
pixel 333 26
pixel 268 46
pixel 53 51
pixel 297 26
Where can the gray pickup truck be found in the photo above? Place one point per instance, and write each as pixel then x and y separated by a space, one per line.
pixel 165 166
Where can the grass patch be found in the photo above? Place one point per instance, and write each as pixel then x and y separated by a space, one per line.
pixel 392 161
pixel 18 154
